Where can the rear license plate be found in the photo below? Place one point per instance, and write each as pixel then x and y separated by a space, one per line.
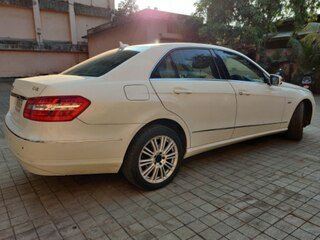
pixel 18 104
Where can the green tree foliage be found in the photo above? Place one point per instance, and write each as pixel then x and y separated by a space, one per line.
pixel 306 54
pixel 301 10
pixel 190 28
pixel 238 23
pixel 126 8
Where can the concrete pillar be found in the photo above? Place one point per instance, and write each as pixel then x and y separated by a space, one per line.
pixel 72 20
pixel 37 20
pixel 111 4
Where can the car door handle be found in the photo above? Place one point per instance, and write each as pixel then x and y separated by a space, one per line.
pixel 182 91
pixel 242 92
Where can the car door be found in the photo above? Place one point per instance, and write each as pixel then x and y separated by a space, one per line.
pixel 259 106
pixel 188 84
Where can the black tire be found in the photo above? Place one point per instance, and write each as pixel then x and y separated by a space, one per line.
pixel 130 167
pixel 295 129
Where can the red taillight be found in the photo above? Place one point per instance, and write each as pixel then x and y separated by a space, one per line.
pixel 55 108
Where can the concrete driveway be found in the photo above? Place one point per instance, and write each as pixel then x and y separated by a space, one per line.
pixel 268 188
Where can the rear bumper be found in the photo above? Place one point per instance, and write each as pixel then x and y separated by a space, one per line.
pixel 67 158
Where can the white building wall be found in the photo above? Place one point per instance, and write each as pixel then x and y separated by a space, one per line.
pixel 55 26
pixel 83 23
pixel 19 22
pixel 16 23
pixel 97 3
pixel 34 55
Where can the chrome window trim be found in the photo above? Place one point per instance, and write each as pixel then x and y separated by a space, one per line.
pixel 241 126
pixel 190 79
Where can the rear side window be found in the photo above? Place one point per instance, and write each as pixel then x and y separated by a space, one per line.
pixel 165 69
pixel 187 63
pixel 101 64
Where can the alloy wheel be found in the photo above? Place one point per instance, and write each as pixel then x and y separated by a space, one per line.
pixel 158 159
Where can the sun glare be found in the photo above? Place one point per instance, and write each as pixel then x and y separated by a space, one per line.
pixel 176 6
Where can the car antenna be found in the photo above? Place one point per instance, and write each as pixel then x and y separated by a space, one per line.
pixel 122 45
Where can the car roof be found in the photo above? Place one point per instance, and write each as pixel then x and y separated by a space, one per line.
pixel 170 46
pixel 181 44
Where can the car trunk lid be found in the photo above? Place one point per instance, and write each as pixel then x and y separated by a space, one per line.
pixel 24 88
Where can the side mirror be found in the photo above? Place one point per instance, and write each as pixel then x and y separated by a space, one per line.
pixel 275 80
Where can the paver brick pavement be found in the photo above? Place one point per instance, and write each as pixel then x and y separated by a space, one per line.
pixel 267 188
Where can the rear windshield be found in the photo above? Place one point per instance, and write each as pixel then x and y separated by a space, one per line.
pixel 101 64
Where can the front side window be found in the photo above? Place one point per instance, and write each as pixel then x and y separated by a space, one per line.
pixel 240 68
pixel 101 64
pixel 187 63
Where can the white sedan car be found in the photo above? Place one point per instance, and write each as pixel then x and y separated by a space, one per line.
pixel 142 109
